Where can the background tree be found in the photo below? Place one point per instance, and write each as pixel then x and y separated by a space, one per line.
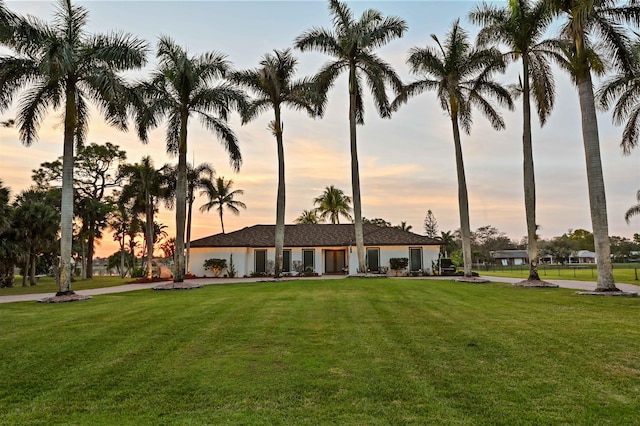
pixel 220 195
pixel 274 86
pixel 332 204
pixel 61 66
pixel 37 224
pixel 378 221
pixel 10 250
pixel 462 77
pixel 520 25
pixel 145 186
pixel 95 175
pixel 183 86
pixel 307 217
pixel 449 244
pixel 430 225
pixel 352 43
pixel 591 22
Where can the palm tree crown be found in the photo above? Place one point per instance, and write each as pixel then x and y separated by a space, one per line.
pixel 352 43
pixel 332 204
pixel 221 196
pixel 61 66
pixel 182 86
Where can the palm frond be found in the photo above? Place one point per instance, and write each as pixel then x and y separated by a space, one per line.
pixel 226 136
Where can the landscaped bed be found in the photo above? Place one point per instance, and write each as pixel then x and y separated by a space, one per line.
pixel 342 351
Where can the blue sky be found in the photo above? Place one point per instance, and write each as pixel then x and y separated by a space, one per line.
pixel 407 162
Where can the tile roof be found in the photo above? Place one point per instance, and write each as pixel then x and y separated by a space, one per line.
pixel 325 235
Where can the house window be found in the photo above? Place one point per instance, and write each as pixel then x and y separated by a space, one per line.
pixel 286 261
pixel 415 259
pixel 261 261
pixel 373 259
pixel 307 259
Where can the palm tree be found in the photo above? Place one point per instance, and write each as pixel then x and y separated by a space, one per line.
pixel 62 66
pixel 633 210
pixel 221 196
pixel 602 20
pixel 145 187
pixel 180 87
pixel 332 204
pixel 404 227
pixel 461 75
pixel 307 217
pixel 352 43
pixel 520 25
pixel 273 85
pixel 120 222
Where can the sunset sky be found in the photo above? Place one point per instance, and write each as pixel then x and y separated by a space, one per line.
pixel 407 163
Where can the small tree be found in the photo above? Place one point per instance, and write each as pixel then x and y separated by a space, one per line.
pixel 430 225
pixel 215 265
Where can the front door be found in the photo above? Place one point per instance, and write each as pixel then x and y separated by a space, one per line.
pixel 373 259
pixel 334 261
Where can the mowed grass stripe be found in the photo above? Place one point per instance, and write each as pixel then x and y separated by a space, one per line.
pixel 318 352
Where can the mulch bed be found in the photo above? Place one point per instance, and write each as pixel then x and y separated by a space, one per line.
pixel 63 299
pixel 536 283
pixel 472 280
pixel 177 286
pixel 146 281
pixel 618 293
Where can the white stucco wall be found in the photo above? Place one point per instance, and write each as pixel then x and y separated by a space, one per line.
pixel 244 260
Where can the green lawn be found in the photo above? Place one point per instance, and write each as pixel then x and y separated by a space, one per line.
pixel 48 285
pixel 629 273
pixel 349 351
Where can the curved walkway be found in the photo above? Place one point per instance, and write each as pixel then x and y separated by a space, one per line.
pixel 577 285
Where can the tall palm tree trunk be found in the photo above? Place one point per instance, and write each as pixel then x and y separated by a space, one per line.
pixel 32 269
pixel 281 200
pixel 463 198
pixel 595 180
pixel 149 237
pixel 188 241
pixel 355 172
pixel 66 207
pixel 529 176
pixel 122 271
pixel 90 250
pixel 181 194
pixel 221 222
pixel 25 267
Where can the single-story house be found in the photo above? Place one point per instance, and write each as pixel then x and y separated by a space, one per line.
pixel 321 248
pixel 583 256
pixel 510 257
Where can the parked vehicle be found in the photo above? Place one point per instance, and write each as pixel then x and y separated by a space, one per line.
pixel 446 266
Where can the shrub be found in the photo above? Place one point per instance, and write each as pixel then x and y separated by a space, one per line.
pixel 215 265
pixel 232 269
pixel 398 263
